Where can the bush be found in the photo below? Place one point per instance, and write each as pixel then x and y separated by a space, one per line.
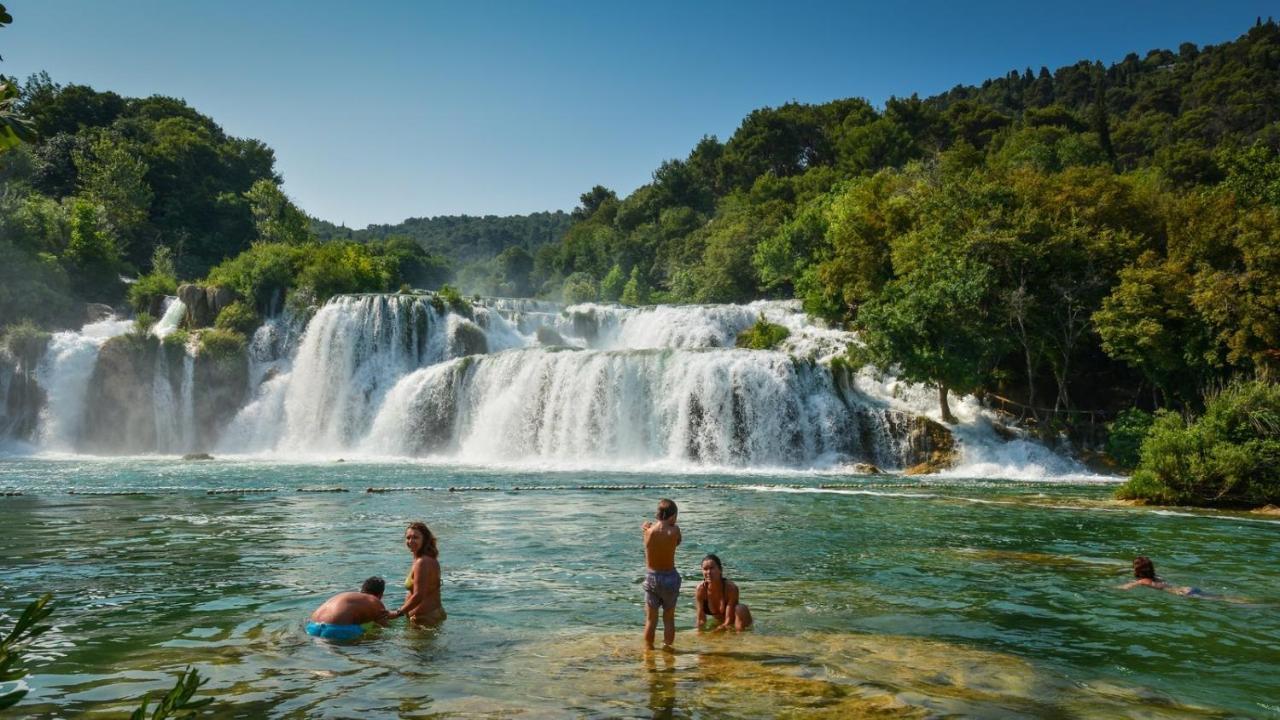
pixel 580 287
pixel 239 317
pixel 260 272
pixel 26 343
pixel 149 287
pixel 339 268
pixel 1125 435
pixel 218 344
pixel 1229 457
pixel 176 340
pixel 142 323
pixel 450 295
pixel 764 335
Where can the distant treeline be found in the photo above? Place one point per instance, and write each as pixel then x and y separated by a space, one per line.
pixel 472 245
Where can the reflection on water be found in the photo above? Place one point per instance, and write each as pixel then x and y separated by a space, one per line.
pixel 901 599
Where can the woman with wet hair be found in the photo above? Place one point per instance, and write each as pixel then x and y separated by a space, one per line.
pixel 1144 574
pixel 717 596
pixel 422 605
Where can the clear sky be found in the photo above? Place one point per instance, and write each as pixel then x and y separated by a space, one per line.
pixel 380 111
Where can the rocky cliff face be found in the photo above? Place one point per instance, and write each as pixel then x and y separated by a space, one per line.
pixel 20 400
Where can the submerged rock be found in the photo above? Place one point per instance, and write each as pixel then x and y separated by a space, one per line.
pixel 197 456
pixel 549 336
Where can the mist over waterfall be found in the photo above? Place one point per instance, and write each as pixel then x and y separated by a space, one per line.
pixel 515 382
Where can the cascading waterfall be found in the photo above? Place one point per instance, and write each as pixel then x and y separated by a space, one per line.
pixel 523 381
pixel 64 374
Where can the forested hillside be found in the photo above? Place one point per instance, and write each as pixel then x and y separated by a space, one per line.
pixel 1076 239
pixel 472 245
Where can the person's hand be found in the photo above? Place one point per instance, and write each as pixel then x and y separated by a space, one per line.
pixel 646 524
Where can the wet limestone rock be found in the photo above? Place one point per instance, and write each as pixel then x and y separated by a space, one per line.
pixel 548 336
pixel 97 312
pixel 929 446
pixel 204 303
pixel 221 385
pixel 119 416
pixel 468 339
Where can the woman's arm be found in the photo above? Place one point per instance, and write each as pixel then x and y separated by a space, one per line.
pixel 699 599
pixel 730 606
pixel 414 598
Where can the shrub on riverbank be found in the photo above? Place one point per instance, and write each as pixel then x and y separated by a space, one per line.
pixel 26 343
pixel 238 317
pixel 218 344
pixel 144 292
pixel 1125 435
pixel 1229 457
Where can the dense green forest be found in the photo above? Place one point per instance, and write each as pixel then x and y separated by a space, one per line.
pixel 1077 239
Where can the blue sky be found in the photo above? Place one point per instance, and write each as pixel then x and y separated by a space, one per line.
pixel 381 111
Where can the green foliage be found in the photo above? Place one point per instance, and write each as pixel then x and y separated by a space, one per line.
pixel 147 288
pixel 275 217
pixel 1125 435
pixel 176 340
pixel 260 273
pixel 335 268
pixel 26 343
pixel 934 324
pixel 580 287
pixel 460 240
pixel 111 173
pixel 1229 457
pixel 178 702
pixel 763 335
pixel 222 345
pixel 26 629
pixel 636 291
pixel 453 298
pixel 238 317
pixel 92 258
pixel 142 323
pixel 613 284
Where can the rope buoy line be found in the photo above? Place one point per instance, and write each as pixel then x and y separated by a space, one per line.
pixel 523 488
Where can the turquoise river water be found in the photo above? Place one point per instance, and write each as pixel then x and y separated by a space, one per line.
pixel 881 596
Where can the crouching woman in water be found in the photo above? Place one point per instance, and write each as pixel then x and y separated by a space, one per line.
pixel 717 596
pixel 422 605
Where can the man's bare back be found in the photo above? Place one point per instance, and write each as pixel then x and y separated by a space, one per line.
pixel 660 541
pixel 351 608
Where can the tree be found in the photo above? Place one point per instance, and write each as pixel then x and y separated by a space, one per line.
pixel 113 175
pixel 613 284
pixel 275 216
pixel 637 291
pixel 936 325
pixel 92 256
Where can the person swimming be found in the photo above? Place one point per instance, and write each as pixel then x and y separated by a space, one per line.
pixel 345 615
pixel 661 579
pixel 717 596
pixel 422 603
pixel 1144 573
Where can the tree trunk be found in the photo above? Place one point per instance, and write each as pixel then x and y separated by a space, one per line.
pixel 947 417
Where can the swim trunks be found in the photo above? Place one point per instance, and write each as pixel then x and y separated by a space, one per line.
pixel 661 588
pixel 334 632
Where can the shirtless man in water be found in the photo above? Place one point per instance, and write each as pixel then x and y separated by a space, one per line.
pixel 661 580
pixel 343 616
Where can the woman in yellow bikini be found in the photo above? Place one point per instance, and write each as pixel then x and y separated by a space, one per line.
pixel 422 605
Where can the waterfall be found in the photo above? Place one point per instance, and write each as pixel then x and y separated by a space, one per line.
pixel 527 382
pixel 64 374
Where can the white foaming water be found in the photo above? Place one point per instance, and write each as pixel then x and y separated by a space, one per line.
pixel 174 310
pixel 64 374
pixel 396 376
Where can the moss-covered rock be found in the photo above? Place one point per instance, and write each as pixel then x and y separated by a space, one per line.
pixel 119 416
pixel 468 339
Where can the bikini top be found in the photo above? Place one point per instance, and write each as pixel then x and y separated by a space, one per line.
pixel 724 596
